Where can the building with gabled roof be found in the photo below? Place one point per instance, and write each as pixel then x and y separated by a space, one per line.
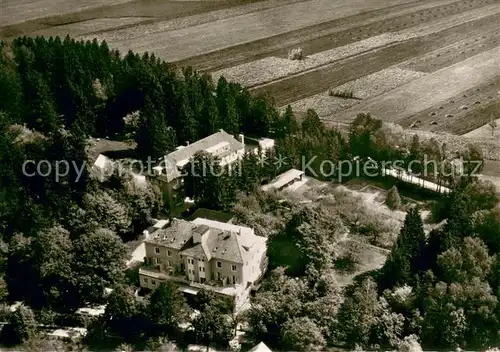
pixel 284 180
pixel 205 254
pixel 261 347
pixel 168 173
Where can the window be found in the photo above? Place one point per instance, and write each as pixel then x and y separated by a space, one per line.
pixel 157 250
pixel 202 280
pixel 233 267
pixel 202 269
pixel 145 280
pixel 169 253
pixel 234 279
pixel 219 264
pixel 168 262
pixel 153 282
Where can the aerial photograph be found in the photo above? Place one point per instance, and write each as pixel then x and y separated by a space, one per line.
pixel 250 175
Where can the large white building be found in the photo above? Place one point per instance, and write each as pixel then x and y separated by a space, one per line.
pixel 169 173
pixel 205 254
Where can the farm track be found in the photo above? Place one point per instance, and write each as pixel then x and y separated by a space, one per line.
pixel 290 89
pixel 331 34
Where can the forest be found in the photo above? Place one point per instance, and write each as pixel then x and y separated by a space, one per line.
pixel 62 241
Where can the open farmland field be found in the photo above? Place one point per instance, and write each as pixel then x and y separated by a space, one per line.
pixel 432 66
pixel 62 17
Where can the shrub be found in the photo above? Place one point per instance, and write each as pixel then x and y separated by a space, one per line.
pixel 349 261
pixel 296 54
pixel 345 93
pixel 393 200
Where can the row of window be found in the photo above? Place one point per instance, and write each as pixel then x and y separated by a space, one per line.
pixel 190 261
pixel 153 282
pixel 158 261
pixel 202 279
pixel 233 267
pixel 157 251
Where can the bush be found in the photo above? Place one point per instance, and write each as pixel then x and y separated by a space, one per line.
pixel 346 93
pixel 348 262
pixel 393 200
pixel 296 54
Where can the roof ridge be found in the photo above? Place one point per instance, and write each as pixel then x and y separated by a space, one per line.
pixel 239 246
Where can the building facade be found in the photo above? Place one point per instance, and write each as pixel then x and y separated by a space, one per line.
pixel 205 254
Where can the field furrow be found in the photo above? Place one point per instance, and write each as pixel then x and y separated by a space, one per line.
pixel 272 68
pixel 184 43
pixel 415 97
pixel 462 113
pixel 180 22
pixel 336 30
pixel 16 11
pixel 454 53
pixel 306 84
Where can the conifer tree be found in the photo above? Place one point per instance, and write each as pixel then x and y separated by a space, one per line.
pixel 407 256
pixel 154 138
pixel 288 123
pixel 393 199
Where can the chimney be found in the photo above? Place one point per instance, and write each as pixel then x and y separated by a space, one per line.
pixel 199 233
pixel 241 138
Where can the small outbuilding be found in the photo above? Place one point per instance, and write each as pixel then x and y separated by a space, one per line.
pixel 284 180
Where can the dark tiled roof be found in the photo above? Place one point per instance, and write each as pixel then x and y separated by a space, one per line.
pixel 105 146
pixel 176 236
pixel 227 247
pixel 216 244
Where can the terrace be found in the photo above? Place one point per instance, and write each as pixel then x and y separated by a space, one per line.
pixel 222 287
